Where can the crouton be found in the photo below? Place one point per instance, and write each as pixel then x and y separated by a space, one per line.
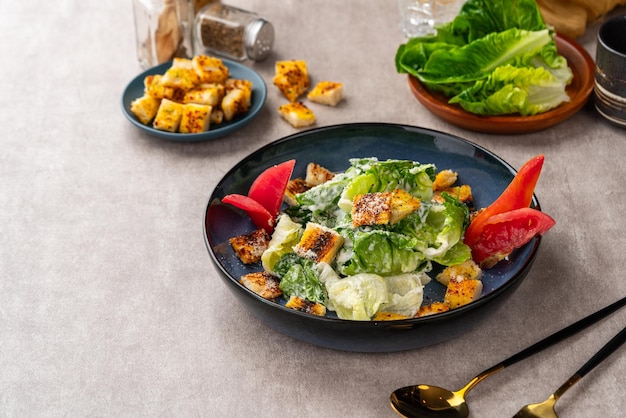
pixel 210 69
pixel 303 305
pixel 263 284
pixel 196 118
pixel 433 308
pixel 466 270
pixel 383 208
pixel 316 175
pixel 235 102
pixel 461 292
pixel 182 78
pixel 327 93
pixel 168 116
pixel 207 94
pixel 297 114
pixel 250 247
pixel 291 78
pixel 294 186
pixel 319 243
pixel 145 108
pixel 388 316
pixel 444 179
pixel 462 193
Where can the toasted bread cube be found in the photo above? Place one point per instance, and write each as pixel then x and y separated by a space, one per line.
pixel 463 193
pixel 168 116
pixel 388 316
pixel 145 108
pixel 196 118
pixel 263 284
pixel 466 270
pixel 402 205
pixel 153 86
pixel 217 116
pixel 461 292
pixel 210 69
pixel 181 78
pixel 185 63
pixel 291 78
pixel 328 93
pixel 237 83
pixel 297 114
pixel 303 305
pixel 294 186
pixel 383 208
pixel 371 209
pixel 316 175
pixel 319 243
pixel 207 94
pixel 433 308
pixel 444 179
pixel 250 247
pixel 236 102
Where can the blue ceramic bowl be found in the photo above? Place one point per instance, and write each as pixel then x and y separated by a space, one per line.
pixel 332 147
pixel 135 89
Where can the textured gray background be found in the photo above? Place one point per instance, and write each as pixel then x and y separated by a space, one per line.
pixel 109 305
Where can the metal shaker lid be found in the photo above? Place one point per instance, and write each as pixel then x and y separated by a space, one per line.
pixel 259 39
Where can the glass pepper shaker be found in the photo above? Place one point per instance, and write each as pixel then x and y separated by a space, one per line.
pixel 233 33
pixel 160 31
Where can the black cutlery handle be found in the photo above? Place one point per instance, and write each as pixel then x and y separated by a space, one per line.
pixel 565 333
pixel 604 352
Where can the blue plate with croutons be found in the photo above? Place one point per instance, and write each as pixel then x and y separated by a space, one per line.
pixel 206 122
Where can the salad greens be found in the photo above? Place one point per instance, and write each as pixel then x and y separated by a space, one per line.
pixel 298 276
pixel 496 57
pixel 379 266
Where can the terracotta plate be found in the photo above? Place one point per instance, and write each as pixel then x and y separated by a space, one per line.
pixel 579 90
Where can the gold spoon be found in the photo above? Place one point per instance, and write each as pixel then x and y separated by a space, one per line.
pixel 425 401
pixel 545 409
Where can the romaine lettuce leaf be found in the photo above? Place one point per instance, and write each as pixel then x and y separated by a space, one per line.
pixel 321 201
pixel 475 61
pixel 286 234
pixel 509 89
pixel 478 18
pixel 485 35
pixel 378 251
pixel 361 296
pixel 357 297
pixel 384 176
pixel 299 277
pixel 406 293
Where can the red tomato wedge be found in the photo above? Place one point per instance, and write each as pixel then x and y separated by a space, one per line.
pixel 517 195
pixel 257 213
pixel 269 188
pixel 504 232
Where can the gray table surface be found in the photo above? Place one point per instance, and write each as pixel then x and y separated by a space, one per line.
pixel 110 306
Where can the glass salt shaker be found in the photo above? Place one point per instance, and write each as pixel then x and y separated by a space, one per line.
pixel 233 33
pixel 161 32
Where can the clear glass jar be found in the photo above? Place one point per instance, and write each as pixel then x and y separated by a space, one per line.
pixel 162 30
pixel 232 33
